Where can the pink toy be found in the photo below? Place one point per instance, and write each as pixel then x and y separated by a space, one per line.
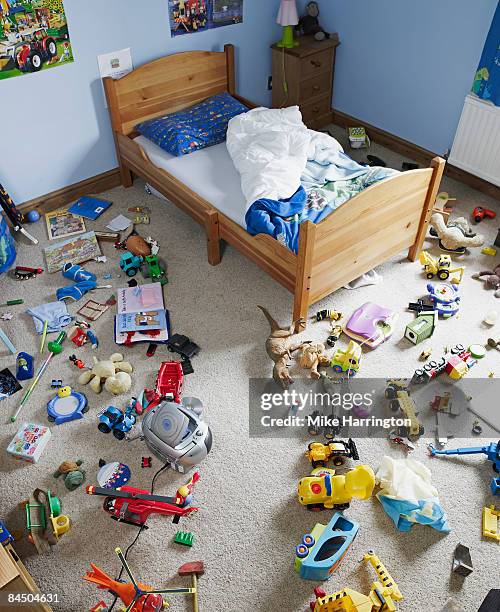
pixel 371 324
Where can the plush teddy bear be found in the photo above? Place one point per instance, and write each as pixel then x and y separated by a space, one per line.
pixel 309 24
pixel 114 372
pixel 313 355
pixel 456 236
pixel 492 279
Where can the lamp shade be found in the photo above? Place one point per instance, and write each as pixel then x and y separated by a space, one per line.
pixel 287 14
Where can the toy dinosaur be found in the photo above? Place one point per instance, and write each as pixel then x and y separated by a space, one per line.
pixel 491 278
pixel 455 237
pixel 279 347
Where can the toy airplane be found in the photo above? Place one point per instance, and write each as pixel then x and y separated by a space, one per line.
pixel 139 597
pixel 133 506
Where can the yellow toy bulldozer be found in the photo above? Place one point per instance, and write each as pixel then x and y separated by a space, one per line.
pixel 440 267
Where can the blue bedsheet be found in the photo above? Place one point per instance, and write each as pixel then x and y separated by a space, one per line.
pixel 313 201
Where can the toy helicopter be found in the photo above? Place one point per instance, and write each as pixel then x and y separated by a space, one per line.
pixel 139 597
pixel 133 506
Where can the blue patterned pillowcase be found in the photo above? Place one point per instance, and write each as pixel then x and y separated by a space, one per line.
pixel 200 126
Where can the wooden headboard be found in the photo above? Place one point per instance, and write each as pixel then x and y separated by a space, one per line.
pixel 167 85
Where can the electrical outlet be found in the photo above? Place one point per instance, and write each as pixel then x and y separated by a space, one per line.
pixel 269 83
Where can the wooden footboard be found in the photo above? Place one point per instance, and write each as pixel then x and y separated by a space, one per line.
pixel 380 222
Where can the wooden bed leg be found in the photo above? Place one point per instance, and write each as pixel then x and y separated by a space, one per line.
pixel 437 165
pixel 307 237
pixel 126 177
pixel 213 239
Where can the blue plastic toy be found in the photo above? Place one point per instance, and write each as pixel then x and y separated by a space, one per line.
pixel 116 420
pixel 492 452
pixel 445 298
pixel 321 551
pixel 24 366
pixel 33 216
pixel 67 405
pixel 5 536
pixel 130 264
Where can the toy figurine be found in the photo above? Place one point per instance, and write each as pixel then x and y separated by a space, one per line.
pixel 335 333
pixel 72 475
pixel 280 348
pixel 313 356
pixel 455 237
pixel 491 279
pixel 309 24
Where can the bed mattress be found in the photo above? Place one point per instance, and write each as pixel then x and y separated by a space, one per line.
pixel 209 172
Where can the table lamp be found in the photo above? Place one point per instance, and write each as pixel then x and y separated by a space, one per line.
pixel 288 17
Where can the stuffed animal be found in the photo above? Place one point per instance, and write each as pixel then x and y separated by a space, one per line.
pixel 279 347
pixel 309 24
pixel 114 372
pixel 313 355
pixel 491 278
pixel 455 237
pixel 72 475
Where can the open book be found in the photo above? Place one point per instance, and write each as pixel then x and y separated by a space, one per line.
pixel 141 315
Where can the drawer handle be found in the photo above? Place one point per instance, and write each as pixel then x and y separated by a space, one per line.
pixel 316 88
pixel 316 63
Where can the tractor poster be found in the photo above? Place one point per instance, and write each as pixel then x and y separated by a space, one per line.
pixel 190 16
pixel 33 36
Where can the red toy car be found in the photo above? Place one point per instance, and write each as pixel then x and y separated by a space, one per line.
pixel 479 213
pixel 133 506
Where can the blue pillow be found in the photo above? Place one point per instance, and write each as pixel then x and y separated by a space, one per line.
pixel 200 126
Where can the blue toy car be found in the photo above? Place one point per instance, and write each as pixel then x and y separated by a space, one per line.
pixel 118 421
pixel 130 264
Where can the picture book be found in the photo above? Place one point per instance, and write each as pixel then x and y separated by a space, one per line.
pixel 62 223
pixel 141 315
pixel 74 250
pixel 90 207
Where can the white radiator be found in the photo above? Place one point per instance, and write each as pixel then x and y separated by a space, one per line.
pixel 476 147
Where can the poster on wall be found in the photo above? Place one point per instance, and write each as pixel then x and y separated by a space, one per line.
pixel 33 36
pixel 190 16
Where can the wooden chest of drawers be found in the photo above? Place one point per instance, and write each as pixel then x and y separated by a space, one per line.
pixel 303 76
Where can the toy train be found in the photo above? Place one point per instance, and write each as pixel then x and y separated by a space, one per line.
pixel 457 362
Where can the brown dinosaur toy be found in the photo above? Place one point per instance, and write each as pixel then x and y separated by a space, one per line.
pixel 279 347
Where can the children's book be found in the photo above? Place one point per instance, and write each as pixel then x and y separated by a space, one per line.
pixel 141 315
pixel 89 207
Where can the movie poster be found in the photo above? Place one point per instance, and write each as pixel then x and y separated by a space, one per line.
pixel 33 36
pixel 190 16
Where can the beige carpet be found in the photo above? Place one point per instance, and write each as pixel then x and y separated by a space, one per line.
pixel 249 520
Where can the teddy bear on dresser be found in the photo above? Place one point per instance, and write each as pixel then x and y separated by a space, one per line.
pixel 309 24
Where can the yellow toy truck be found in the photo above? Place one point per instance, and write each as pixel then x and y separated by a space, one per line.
pixel 337 451
pixel 325 489
pixel 440 267
pixel 347 360
pixel 384 594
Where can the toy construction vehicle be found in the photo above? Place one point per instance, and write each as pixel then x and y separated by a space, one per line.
pixel 383 594
pixel 325 489
pixel 337 451
pixel 440 267
pixel 400 401
pixel 347 360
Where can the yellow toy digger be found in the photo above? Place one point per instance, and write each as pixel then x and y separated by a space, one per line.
pixel 383 594
pixel 440 267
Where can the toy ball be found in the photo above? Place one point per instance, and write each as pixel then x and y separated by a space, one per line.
pixel 33 216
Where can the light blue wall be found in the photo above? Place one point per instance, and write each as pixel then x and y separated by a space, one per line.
pixel 55 128
pixel 406 65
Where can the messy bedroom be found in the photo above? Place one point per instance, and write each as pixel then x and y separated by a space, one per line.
pixel 249 301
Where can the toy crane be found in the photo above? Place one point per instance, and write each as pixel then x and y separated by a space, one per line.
pixel 139 597
pixel 492 452
pixel 382 597
pixel 440 267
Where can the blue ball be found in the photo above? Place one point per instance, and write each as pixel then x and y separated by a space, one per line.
pixel 33 216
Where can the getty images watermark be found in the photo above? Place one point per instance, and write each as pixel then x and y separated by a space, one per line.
pixel 373 407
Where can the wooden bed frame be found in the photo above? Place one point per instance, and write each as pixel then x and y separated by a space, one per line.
pixel 383 220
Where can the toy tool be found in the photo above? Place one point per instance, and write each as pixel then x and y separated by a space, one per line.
pixel 492 452
pixel 55 348
pixel 12 302
pixel 479 213
pixel 44 336
pixel 139 597
pixel 13 215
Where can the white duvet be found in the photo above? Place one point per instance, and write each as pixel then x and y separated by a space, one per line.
pixel 272 148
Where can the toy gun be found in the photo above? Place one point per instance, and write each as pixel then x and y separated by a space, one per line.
pixel 385 591
pixel 133 506
pixel 492 452
pixel 420 306
pixel 13 215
